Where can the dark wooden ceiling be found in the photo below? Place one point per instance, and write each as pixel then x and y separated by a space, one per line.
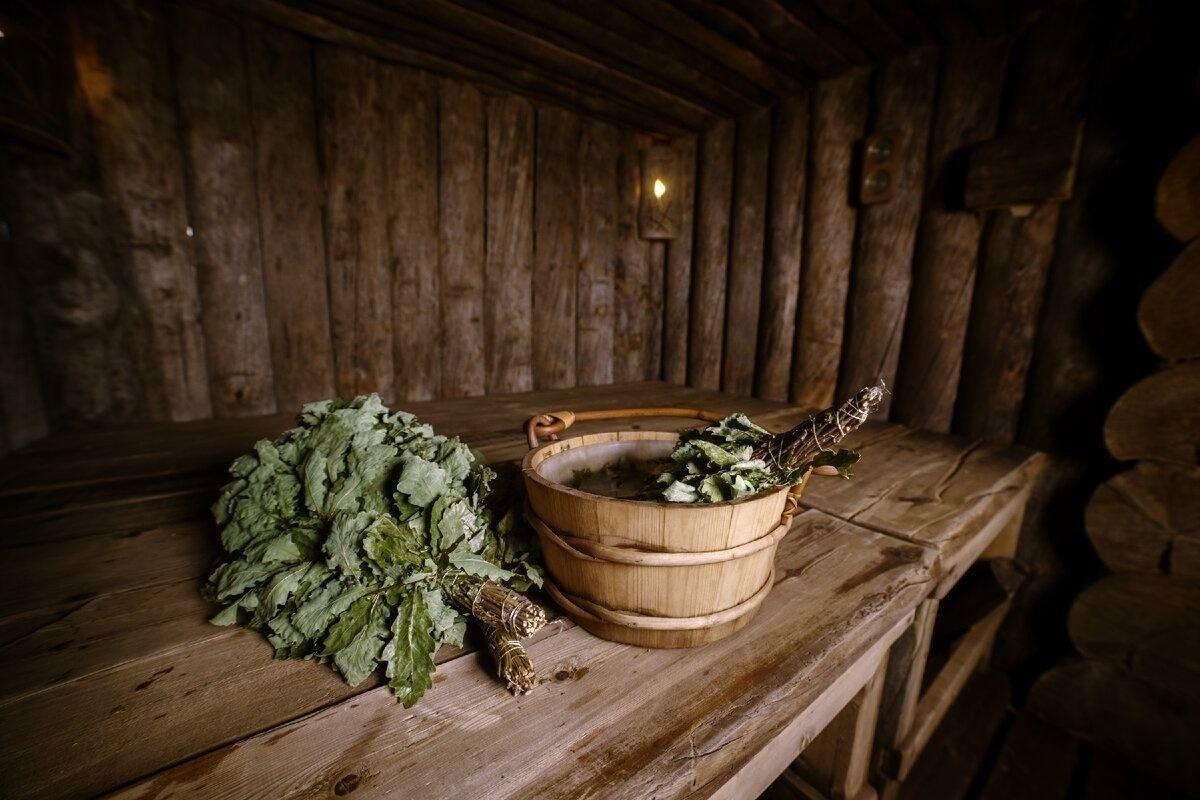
pixel 661 65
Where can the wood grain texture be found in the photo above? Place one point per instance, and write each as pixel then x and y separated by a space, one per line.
pixel 598 199
pixel 1166 315
pixel 678 279
pixel 290 195
pixel 887 232
pixel 22 411
pixel 1046 88
pixel 461 248
pixel 508 268
pixel 631 280
pixel 1175 201
pixel 714 192
pixel 1024 168
pixel 411 115
pixel 219 155
pixel 1142 520
pixel 789 147
pixel 121 65
pixel 629 756
pixel 556 248
pixel 360 276
pixel 839 110
pixel 968 106
pixel 1158 418
pixel 752 153
pixel 656 261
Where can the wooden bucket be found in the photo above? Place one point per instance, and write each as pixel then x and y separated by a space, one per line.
pixel 649 573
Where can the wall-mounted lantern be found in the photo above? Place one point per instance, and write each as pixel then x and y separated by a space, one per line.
pixel 658 213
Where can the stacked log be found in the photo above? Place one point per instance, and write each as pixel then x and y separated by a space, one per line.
pixel 1136 689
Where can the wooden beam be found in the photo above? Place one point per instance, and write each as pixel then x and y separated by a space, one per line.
pixel 213 93
pixel 391 44
pixel 968 105
pixel 672 20
pixel 631 280
pixel 1024 169
pixel 866 24
pixel 508 264
pixel 461 253
pixel 678 280
pixel 411 116
pixel 714 192
pixel 1046 89
pixel 647 55
pixel 556 248
pixel 839 759
pixel 599 192
pixel 839 120
pixel 489 31
pixel 904 676
pixel 752 152
pixel 887 232
pixel 785 237
pixel 290 194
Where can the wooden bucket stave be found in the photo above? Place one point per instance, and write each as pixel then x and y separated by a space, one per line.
pixel 649 573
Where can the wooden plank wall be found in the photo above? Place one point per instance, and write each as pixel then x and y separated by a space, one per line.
pixel 252 220
pixel 257 220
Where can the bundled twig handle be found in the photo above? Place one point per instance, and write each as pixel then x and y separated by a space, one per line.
pixel 513 665
pixel 494 604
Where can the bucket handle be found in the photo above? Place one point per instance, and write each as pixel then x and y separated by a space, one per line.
pixel 553 423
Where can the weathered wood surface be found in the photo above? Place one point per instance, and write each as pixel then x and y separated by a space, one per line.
pixel 785 238
pixel 639 739
pixel 461 197
pixel 1166 313
pixel 122 68
pixel 1104 705
pixel 1046 89
pixel 678 279
pixel 1177 201
pixel 1147 519
pixel 599 183
pixel 968 104
pixel 350 113
pixel 1145 623
pixel 280 74
pixel 752 150
pixel 218 150
pixel 556 248
pixel 839 111
pixel 508 270
pixel 710 264
pixel 410 113
pixel 1024 169
pixel 90 636
pixel 1158 418
pixel 887 232
pixel 631 278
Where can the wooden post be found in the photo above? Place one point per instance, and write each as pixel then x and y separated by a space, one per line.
pixel 678 280
pixel 598 198
pixel 900 695
pixel 631 281
pixel 710 265
pixel 838 760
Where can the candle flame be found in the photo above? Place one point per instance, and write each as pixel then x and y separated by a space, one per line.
pixel 660 188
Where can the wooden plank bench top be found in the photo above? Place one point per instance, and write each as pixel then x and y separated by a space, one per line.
pixel 110 678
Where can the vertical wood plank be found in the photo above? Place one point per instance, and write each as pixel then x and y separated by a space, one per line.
pixel 289 214
pixel 785 241
pixel 839 121
pixel 714 191
pixel 22 411
pixel 752 151
pixel 461 237
pixel 556 248
pixel 631 285
pixel 411 115
pixel 121 64
pixel 656 260
pixel 678 279
pixel 968 106
pixel 887 232
pixel 509 264
pixel 214 108
pixel 1048 83
pixel 598 199
pixel 360 281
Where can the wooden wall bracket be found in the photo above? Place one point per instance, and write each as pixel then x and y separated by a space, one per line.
pixel 1023 170
pixel 880 167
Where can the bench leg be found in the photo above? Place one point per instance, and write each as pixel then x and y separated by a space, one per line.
pixel 837 762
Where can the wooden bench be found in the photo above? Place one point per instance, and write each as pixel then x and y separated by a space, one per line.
pixel 111 680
